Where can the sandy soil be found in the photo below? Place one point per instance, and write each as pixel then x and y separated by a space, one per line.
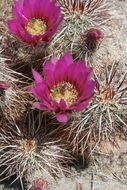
pixel 108 166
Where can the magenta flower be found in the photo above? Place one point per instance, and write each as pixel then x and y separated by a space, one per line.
pixel 35 21
pixel 66 87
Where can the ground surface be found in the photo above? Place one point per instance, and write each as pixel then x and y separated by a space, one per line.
pixel 108 169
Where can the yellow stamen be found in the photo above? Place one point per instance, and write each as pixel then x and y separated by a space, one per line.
pixel 36 27
pixel 66 91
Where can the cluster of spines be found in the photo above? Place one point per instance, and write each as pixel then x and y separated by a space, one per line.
pixel 105 119
pixel 26 151
pixel 82 16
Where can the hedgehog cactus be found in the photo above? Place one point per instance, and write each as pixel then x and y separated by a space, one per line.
pixel 78 17
pixel 27 151
pixel 13 94
pixel 107 113
pixel 68 108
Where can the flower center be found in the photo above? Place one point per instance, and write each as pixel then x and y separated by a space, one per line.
pixel 36 27
pixel 66 91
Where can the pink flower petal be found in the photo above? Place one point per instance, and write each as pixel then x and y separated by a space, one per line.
pixel 62 118
pixel 37 76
